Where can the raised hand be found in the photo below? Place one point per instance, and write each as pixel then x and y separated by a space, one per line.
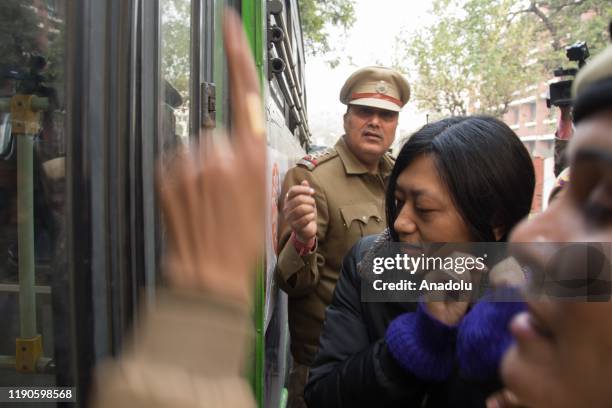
pixel 213 197
pixel 301 212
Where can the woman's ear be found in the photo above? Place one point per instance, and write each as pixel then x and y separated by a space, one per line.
pixel 499 232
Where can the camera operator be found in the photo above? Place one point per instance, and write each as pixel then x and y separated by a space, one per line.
pixel 560 96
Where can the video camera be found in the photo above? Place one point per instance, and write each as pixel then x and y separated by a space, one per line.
pixel 561 92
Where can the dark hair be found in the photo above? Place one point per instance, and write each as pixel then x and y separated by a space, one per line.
pixel 485 167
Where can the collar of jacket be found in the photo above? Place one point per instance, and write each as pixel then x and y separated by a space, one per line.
pixel 367 260
pixel 352 165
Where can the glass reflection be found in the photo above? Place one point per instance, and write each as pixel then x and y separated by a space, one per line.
pixel 175 67
pixel 34 336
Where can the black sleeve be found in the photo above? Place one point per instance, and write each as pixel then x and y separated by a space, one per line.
pixel 350 370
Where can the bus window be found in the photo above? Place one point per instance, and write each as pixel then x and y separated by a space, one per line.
pixel 175 73
pixel 34 294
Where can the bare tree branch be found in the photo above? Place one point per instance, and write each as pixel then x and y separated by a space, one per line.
pixel 549 25
pixel 560 7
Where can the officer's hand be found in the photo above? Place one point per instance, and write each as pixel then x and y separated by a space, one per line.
pixel 213 200
pixel 300 211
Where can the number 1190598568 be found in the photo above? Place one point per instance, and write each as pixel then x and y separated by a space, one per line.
pixel 33 394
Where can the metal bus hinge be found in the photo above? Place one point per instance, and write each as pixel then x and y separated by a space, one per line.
pixel 208 105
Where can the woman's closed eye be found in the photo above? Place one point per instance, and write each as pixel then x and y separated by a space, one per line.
pixel 425 210
pixel 425 205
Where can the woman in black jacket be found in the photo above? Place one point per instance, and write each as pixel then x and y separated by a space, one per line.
pixel 457 180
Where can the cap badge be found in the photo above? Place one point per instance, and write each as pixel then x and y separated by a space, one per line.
pixel 381 87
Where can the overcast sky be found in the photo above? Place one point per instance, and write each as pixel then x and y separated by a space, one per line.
pixel 370 41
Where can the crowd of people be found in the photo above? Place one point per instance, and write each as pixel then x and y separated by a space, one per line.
pixel 461 179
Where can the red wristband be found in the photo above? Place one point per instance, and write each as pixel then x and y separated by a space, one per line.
pixel 303 248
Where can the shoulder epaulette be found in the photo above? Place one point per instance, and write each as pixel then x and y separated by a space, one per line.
pixel 389 158
pixel 311 161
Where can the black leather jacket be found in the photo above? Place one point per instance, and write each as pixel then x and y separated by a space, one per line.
pixel 353 367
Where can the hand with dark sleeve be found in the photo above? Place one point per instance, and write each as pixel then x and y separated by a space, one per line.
pixel 422 345
pixel 484 337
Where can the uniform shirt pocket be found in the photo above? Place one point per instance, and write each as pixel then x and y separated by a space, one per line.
pixel 362 219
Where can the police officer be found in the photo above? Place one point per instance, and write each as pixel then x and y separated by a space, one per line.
pixel 329 201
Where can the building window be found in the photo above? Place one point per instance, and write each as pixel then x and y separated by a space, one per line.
pixel 51 7
pixel 514 115
pixel 531 112
pixel 175 54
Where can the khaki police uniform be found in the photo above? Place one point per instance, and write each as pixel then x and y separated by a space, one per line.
pixel 350 204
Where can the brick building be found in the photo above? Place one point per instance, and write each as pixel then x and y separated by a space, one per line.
pixel 535 124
